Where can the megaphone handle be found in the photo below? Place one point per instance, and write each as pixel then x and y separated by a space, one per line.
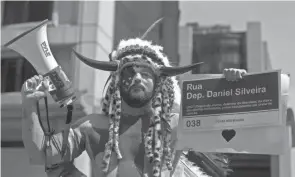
pixel 67 129
pixel 49 132
pixel 69 114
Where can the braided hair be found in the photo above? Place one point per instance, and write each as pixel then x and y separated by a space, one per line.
pixel 167 93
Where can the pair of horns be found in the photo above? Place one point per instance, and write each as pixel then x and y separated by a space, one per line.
pixel 113 66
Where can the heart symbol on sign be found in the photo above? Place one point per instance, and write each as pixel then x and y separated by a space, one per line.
pixel 228 134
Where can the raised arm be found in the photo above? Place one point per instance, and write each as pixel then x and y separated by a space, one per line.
pixel 39 149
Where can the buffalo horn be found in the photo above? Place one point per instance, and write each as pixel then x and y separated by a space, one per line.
pixel 102 65
pixel 174 71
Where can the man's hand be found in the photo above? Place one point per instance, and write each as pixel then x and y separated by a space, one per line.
pixel 233 74
pixel 34 89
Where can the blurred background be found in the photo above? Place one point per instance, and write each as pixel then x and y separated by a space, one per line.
pixel 256 36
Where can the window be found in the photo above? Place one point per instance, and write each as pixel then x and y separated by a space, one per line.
pixel 14 72
pixel 26 11
pixel 219 51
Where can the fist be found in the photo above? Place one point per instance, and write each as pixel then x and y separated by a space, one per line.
pixel 34 89
pixel 233 74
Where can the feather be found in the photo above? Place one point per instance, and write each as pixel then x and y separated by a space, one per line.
pixel 150 28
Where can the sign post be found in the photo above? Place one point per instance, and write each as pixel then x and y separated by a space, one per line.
pixel 242 116
pixel 217 103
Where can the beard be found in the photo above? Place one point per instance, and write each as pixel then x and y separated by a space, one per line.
pixel 137 96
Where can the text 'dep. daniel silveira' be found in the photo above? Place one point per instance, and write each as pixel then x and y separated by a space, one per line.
pixel 192 94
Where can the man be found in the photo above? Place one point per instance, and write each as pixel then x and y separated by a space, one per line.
pixel 135 135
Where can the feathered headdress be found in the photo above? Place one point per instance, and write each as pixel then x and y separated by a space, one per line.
pixel 142 52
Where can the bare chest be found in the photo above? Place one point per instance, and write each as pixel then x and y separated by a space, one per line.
pixel 131 146
pixel 132 149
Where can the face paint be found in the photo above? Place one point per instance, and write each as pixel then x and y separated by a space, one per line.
pixel 137 83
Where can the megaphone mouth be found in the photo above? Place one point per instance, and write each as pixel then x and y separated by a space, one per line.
pixel 25 33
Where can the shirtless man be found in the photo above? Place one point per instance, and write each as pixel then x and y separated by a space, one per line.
pixel 136 134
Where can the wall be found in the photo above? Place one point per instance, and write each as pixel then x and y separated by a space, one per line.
pixel 185 46
pixel 67 11
pixel 266 57
pixel 255 62
pixel 17 159
pixel 133 18
pixel 170 38
pixel 73 22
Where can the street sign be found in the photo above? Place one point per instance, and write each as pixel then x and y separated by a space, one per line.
pixel 218 104
pixel 247 116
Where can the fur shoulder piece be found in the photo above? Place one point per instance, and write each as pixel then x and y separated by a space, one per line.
pixel 213 164
pixel 186 168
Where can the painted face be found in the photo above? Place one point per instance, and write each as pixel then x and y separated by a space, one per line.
pixel 137 85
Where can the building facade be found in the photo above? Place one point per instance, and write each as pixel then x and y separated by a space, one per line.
pixel 79 25
pixel 219 47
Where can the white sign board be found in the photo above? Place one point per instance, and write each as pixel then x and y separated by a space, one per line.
pixel 240 117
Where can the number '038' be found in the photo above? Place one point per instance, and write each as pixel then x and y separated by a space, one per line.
pixel 193 123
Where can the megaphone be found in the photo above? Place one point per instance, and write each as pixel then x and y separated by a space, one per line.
pixel 33 46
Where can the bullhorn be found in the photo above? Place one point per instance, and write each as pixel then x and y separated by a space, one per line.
pixel 33 46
